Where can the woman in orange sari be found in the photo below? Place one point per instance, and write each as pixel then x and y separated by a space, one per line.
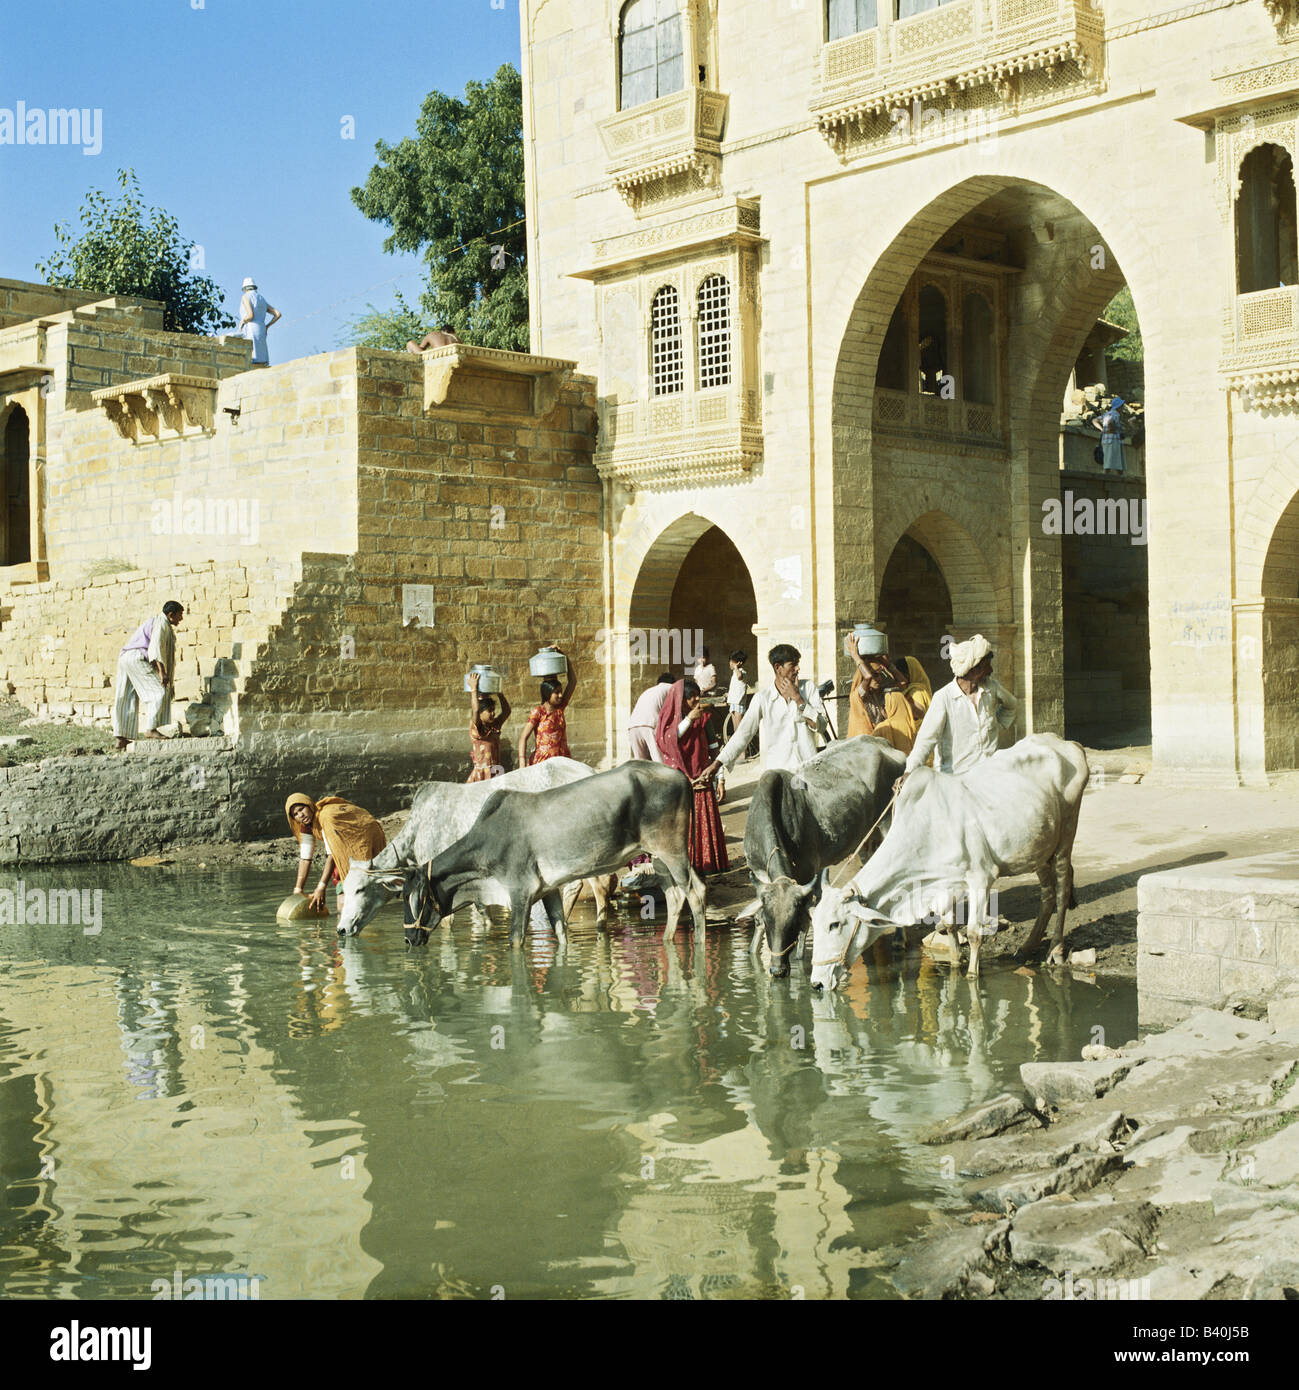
pixel 891 714
pixel 350 834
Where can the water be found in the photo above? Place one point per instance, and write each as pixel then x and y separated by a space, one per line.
pixel 199 1088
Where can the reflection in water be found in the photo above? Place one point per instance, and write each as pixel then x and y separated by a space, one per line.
pixel 203 1088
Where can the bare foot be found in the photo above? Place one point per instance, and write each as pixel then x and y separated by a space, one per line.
pixel 121 744
pixel 150 733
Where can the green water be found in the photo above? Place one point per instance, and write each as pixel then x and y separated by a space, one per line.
pixel 199 1088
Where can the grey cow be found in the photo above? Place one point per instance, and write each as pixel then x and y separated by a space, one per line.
pixel 803 822
pixel 532 845
pixel 440 813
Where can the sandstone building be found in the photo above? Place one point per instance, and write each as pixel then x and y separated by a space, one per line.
pixel 832 264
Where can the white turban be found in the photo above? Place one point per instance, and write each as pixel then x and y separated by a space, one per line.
pixel 967 655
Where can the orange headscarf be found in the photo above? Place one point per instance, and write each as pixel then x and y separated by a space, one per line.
pixel 348 831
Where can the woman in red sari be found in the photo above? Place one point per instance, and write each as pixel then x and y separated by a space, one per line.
pixel 682 738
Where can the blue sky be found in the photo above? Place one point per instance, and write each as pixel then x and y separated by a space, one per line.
pixel 231 113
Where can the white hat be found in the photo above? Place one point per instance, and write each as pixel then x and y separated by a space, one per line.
pixel 967 655
pixel 249 283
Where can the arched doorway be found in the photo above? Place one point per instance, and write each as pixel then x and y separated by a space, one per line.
pixel 15 524
pixel 947 402
pixel 693 590
pixel 1280 654
pixel 915 608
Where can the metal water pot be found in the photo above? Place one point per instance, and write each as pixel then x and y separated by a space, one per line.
pixel 489 680
pixel 548 663
pixel 870 641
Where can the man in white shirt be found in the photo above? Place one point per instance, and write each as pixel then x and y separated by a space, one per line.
pixel 965 717
pixel 786 716
pixel 645 719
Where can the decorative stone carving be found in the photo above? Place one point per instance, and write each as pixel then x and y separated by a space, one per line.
pixel 461 377
pixel 940 57
pixel 172 400
pixel 676 138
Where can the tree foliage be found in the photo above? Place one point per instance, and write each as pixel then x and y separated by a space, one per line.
pixel 455 192
pixel 128 249
pixel 390 328
pixel 1123 311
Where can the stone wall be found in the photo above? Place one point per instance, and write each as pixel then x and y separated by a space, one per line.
pixel 182 792
pixel 1208 931
pixel 20 301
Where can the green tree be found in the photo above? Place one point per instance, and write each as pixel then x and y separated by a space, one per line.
pixel 390 328
pixel 455 192
pixel 1123 311
pixel 126 248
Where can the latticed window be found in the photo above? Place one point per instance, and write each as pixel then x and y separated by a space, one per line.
pixel 649 40
pixel 667 359
pixel 906 8
pixel 714 332
pixel 845 17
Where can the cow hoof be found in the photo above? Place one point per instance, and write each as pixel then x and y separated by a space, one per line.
pixel 416 936
pixel 1055 956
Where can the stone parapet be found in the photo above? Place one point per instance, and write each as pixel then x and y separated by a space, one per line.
pixel 1218 929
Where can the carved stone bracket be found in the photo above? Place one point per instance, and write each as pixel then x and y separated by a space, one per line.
pixel 172 401
pixel 461 377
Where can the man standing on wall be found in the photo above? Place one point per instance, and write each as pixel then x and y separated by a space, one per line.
pixel 253 322
pixel 145 669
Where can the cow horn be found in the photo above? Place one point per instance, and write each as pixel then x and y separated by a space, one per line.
pixel 808 888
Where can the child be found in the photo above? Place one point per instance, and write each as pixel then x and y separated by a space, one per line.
pixel 705 675
pixel 485 732
pixel 737 692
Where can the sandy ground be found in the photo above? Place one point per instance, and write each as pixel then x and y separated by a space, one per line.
pixel 1126 829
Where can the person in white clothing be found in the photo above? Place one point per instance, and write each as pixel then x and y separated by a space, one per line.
pixel 787 716
pixel 966 717
pixel 253 320
pixel 145 669
pixel 645 719
pixel 705 673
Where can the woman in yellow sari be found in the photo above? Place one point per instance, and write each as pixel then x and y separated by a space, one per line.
pixel 894 715
pixel 350 834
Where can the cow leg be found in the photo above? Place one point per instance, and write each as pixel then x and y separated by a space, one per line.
pixel 976 913
pixel 1063 866
pixel 553 902
pixel 520 914
pixel 697 895
pixel 675 897
pixel 1046 877
pixel 571 892
pixel 600 892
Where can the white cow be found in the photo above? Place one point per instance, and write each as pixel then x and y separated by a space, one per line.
pixel 953 836
pixel 440 814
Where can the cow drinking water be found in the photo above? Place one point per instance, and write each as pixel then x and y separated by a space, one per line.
pixel 953 836
pixel 531 845
pixel 802 822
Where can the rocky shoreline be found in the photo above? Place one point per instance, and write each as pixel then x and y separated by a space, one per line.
pixel 1165 1169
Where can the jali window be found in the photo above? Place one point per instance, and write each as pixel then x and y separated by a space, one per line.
pixel 666 358
pixel 845 17
pixel 714 304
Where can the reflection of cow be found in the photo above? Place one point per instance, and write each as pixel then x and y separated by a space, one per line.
pixel 953 836
pixel 440 814
pixel 802 822
pixel 532 845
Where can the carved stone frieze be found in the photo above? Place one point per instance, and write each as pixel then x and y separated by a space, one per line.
pixel 142 410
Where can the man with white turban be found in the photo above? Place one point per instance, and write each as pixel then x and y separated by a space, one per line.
pixel 965 717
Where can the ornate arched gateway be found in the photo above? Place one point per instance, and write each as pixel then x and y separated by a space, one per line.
pixel 945 416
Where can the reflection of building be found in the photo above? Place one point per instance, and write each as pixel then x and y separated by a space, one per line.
pixel 833 306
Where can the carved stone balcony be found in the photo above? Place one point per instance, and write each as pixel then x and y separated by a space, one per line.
pixel 1033 50
pixel 460 380
pixel 929 416
pixel 1261 346
pixel 680 441
pixel 675 137
pixel 168 402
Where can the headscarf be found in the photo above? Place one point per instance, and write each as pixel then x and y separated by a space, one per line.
pixel 348 831
pixel 919 677
pixel 967 655
pixel 688 752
